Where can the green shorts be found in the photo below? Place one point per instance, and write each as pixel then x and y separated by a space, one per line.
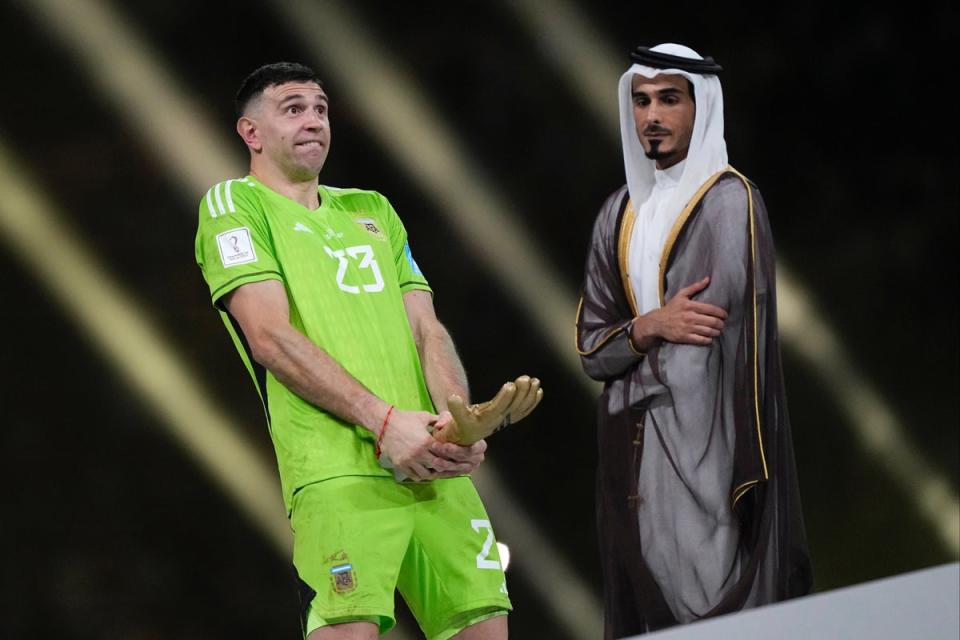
pixel 357 538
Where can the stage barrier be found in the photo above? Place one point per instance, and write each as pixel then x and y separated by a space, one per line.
pixel 921 605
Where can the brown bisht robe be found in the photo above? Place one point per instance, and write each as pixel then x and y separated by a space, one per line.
pixel 697 502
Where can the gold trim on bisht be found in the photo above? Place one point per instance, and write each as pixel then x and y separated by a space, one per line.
pixel 678 226
pixel 756 328
pixel 623 249
pixel 623 244
pixel 604 340
pixel 742 490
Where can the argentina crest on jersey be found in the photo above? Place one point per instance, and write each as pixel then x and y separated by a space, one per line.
pixel 342 578
pixel 413 263
pixel 370 226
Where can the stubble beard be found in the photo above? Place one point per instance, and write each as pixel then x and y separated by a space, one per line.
pixel 303 169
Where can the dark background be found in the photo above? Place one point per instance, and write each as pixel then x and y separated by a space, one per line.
pixel 841 116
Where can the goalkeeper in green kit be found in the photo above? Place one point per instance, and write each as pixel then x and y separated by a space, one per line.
pixel 366 398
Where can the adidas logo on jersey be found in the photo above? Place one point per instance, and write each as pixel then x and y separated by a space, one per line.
pixel 302 227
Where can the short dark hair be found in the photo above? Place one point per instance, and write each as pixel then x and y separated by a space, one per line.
pixel 269 75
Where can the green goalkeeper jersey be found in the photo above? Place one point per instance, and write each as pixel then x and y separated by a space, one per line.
pixel 345 267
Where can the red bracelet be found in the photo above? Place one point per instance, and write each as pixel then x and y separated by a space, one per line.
pixel 383 430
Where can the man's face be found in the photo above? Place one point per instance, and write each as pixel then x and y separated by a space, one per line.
pixel 288 125
pixel 663 110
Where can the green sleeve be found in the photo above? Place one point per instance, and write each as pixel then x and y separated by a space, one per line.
pixel 234 245
pixel 409 275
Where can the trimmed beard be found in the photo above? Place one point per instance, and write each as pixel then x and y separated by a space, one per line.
pixel 655 153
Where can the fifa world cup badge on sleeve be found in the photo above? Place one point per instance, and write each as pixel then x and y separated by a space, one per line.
pixel 236 247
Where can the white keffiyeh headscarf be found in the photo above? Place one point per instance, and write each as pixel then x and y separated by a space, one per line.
pixel 706 156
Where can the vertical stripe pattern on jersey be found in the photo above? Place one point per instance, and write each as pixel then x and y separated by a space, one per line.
pixel 224 203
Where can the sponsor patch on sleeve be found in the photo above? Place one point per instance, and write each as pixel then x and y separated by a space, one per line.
pixel 236 247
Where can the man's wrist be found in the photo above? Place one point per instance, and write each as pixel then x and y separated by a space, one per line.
pixel 636 348
pixel 383 432
pixel 371 414
pixel 641 333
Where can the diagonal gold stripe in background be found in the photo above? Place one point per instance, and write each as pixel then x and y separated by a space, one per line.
pixel 868 408
pixel 569 42
pixel 129 74
pixel 422 143
pixel 112 321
